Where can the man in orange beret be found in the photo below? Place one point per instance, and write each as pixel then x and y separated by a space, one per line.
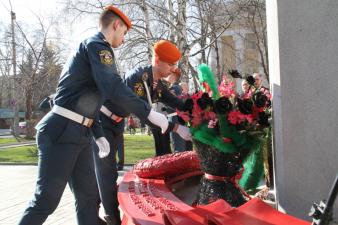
pixel 65 135
pixel 147 83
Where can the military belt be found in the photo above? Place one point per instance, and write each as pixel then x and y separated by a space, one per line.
pixel 111 115
pixel 72 116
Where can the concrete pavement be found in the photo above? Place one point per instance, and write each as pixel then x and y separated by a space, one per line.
pixel 5 133
pixel 17 185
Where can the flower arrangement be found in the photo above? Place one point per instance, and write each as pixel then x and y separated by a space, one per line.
pixel 232 124
pixel 220 117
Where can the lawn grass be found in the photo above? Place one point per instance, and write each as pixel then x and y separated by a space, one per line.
pixel 7 140
pixel 137 147
pixel 4 141
pixel 23 154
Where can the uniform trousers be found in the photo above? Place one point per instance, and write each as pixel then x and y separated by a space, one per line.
pixel 62 162
pixel 106 175
pixel 162 142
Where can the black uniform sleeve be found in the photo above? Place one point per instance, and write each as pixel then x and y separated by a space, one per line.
pixel 45 105
pixel 110 83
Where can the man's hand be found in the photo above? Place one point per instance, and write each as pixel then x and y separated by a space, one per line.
pixel 184 132
pixel 104 147
pixel 159 120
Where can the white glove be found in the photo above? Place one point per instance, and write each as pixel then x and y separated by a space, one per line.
pixel 159 120
pixel 184 132
pixel 104 147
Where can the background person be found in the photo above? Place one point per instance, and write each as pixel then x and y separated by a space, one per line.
pixel 179 144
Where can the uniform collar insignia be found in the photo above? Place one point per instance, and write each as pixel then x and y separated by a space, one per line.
pixel 145 76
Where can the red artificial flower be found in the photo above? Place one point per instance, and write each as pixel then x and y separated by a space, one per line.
pixel 249 118
pixel 235 117
pixel 197 109
pixel 196 120
pixel 183 115
pixel 196 96
pixel 206 87
pixel 227 140
pixel 209 115
pixel 256 111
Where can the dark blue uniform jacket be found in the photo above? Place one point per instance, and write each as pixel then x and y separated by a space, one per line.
pixel 89 78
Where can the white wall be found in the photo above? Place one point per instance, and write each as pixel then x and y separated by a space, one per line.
pixel 303 59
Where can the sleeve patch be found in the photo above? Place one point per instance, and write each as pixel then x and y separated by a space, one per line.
pixel 106 57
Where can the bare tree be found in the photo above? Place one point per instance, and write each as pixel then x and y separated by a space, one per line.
pixel 253 18
pixel 190 24
pixel 5 68
pixel 219 17
pixel 257 22
pixel 34 69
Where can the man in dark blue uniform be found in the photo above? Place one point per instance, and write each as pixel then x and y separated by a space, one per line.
pixel 65 135
pixel 147 83
pixel 111 114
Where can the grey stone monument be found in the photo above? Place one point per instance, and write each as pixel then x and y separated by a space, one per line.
pixel 303 60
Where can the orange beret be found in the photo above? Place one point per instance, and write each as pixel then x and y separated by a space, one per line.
pixel 118 12
pixel 167 51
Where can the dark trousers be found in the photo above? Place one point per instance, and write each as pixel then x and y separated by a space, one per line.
pixel 120 149
pixel 59 163
pixel 106 175
pixel 162 142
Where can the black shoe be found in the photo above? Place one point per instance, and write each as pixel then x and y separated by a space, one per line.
pixel 102 222
pixel 112 220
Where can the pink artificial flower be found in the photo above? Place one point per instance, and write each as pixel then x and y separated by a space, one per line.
pixel 248 94
pixel 266 92
pixel 212 123
pixel 227 87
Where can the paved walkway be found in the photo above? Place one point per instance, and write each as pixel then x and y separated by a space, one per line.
pixel 17 185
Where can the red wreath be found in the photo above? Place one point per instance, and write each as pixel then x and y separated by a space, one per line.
pixel 167 165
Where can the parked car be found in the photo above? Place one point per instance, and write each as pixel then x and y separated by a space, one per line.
pixel 22 127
